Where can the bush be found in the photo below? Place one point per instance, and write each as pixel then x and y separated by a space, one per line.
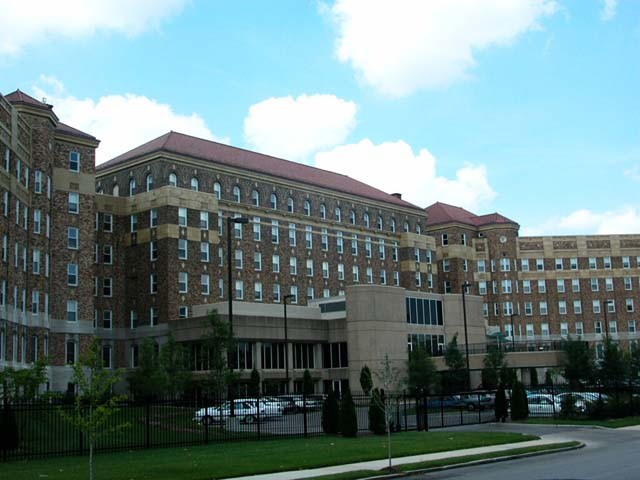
pixel 568 407
pixel 9 428
pixel 330 414
pixel 348 419
pixel 377 422
pixel 500 406
pixel 519 403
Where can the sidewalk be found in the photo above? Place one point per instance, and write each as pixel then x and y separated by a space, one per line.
pixel 380 464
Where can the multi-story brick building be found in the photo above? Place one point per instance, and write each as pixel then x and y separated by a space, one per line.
pixel 138 247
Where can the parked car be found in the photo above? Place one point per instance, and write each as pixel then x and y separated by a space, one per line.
pixel 311 402
pixel 445 401
pixel 543 405
pixel 244 409
pixel 478 401
pixel 581 399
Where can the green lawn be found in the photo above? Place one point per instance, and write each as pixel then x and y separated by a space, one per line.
pixel 610 423
pixel 247 458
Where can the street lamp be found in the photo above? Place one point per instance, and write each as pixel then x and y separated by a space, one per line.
pixel 466 285
pixel 286 343
pixel 242 221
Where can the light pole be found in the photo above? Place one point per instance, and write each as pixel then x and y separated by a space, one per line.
pixel 606 320
pixel 286 344
pixel 466 285
pixel 513 332
pixel 242 221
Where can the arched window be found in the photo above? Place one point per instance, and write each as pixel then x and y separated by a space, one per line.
pixel 367 223
pixel 352 217
pixel 406 227
pixel 149 182
pixel 132 187
pixel 255 198
pixel 217 190
pixel 195 184
pixel 379 222
pixel 393 225
pixel 307 208
pixel 338 214
pixel 116 190
pixel 323 211
pixel 173 180
pixel 273 201
pixel 418 229
pixel 236 194
pixel 290 205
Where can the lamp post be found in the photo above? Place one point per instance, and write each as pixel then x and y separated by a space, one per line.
pixel 466 285
pixel 230 221
pixel 513 332
pixel 286 344
pixel 606 320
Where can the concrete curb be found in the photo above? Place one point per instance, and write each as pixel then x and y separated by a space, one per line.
pixel 483 461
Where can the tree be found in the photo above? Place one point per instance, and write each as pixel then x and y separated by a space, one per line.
pixel 330 414
pixel 578 364
pixel 454 359
pixel 254 383
pixel 377 407
pixel 519 403
pixel 94 405
pixel 613 368
pixel 494 362
pixel 422 372
pixel 217 344
pixel 366 381
pixel 175 368
pixel 348 418
pixel 388 378
pixel 500 406
pixel 147 381
pixel 533 376
pixel 307 382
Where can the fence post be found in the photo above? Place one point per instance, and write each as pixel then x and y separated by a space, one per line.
pixel 304 411
pixel 148 423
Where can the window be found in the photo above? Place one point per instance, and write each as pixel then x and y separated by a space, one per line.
pixel 564 329
pixel 256 229
pixel 257 291
pixel 182 249
pixel 239 290
pixel 506 286
pixel 607 263
pixel 528 308
pixel 37 221
pixel 72 274
pixel 445 239
pixel 217 190
pixel 354 245
pixel 132 187
pixel 611 306
pixel 70 352
pixel 341 271
pixel 597 327
pixel 204 284
pixel 573 263
pixel 596 306
pixel 446 264
pixel 73 235
pixel 236 194
pixel 628 283
pixel 631 326
pixel 366 220
pixel 542 286
pixel 352 217
pixel 293 266
pixel 107 222
pixel 195 184
pixel 182 216
pixel 238 259
pixel 608 282
pixel 482 288
pixel 308 237
pixel 577 307
pixel 309 267
pixel 255 198
pixel 356 274
pixel 629 305
pixel 74 161
pixel 276 292
pixel 153 218
pixel 74 202
pixel 613 327
pixel 153 316
pixel 183 282
pixel 204 220
pixel 153 250
pixel 543 308
pixel 559 264
pixel 539 264
pixel 507 308
pixel 505 265
pixel 593 263
pixel 575 285
pixel 273 201
pixel 526 286
pixel 394 252
pixel 153 283
pixel 290 205
pixel 367 246
pixel 392 225
pixel 530 330
pixel 36 261
pixel 72 311
pixel 369 275
pixel 340 243
pixel 307 208
pixel 626 262
pixel 173 180
pixel 35 302
pixel 579 328
pixel 381 249
pixel 275 263
pixel 292 234
pixel 134 222
pixel 107 287
pixel 148 182
pixel 107 254
pixel 544 329
pixel 482 266
pixel 325 240
pixel 257 261
pixel 325 269
pixel 463 239
pixel 183 311
pixel 595 284
pixel 379 222
pixel 560 285
pixel 275 232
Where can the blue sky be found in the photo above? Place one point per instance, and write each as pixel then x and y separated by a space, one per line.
pixel 526 107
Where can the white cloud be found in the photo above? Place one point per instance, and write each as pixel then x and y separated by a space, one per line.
pixel 633 173
pixel 609 10
pixel 294 128
pixel 29 21
pixel 407 45
pixel 394 167
pixel 121 122
pixel 587 222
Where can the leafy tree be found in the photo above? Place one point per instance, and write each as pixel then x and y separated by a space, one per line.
pixel 494 362
pixel 307 382
pixel 422 371
pixel 174 367
pixel 454 359
pixel 254 383
pixel 508 376
pixel 348 419
pixel 533 376
pixel 500 406
pixel 217 343
pixel 388 378
pixel 519 403
pixel 330 414
pixel 147 380
pixel 94 405
pixel 377 421
pixel 578 364
pixel 613 368
pixel 366 381
pixel 22 384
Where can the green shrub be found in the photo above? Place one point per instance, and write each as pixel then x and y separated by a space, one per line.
pixel 330 414
pixel 500 405
pixel 9 429
pixel 377 422
pixel 348 419
pixel 519 403
pixel 568 408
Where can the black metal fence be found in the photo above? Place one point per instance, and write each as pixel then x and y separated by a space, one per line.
pixel 42 430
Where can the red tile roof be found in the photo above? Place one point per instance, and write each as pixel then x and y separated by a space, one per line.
pixel 20 97
pixel 440 213
pixel 214 152
pixel 69 130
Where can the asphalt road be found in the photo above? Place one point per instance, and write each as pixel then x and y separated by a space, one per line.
pixel 609 455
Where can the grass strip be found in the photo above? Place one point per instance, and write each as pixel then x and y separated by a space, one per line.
pixel 608 423
pixel 412 467
pixel 232 459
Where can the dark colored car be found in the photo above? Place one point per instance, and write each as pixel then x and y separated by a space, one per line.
pixel 445 401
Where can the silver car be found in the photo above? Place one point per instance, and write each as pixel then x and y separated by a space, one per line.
pixel 244 409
